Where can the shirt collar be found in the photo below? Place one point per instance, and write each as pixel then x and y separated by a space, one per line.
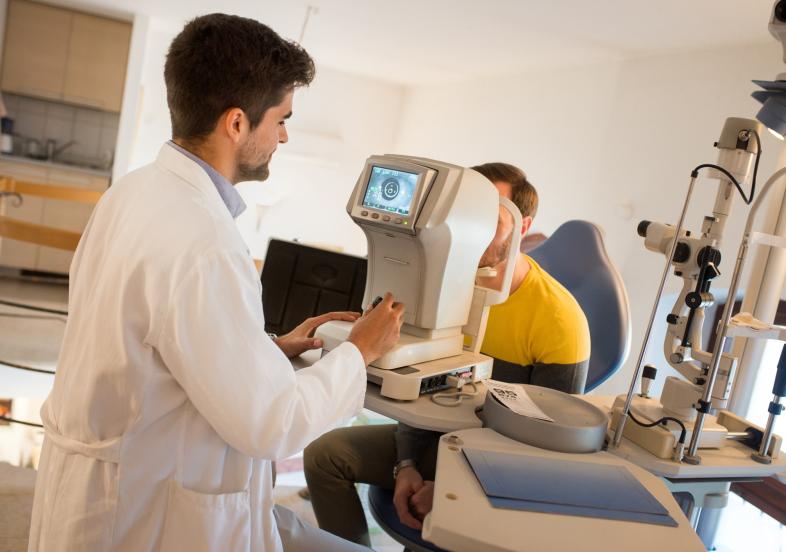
pixel 229 195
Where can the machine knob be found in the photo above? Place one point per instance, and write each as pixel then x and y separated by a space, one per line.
pixel 709 254
pixel 681 252
pixel 647 377
pixel 641 229
pixel 650 372
pixel 780 11
pixel 672 319
pixel 694 300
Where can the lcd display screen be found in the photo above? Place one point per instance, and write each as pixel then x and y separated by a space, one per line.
pixel 391 190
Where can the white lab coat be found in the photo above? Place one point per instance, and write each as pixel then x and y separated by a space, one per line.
pixel 170 401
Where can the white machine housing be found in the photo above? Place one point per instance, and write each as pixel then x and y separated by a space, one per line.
pixel 429 260
pixel 427 224
pixel 736 156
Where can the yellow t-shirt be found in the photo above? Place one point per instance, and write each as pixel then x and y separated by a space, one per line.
pixel 540 325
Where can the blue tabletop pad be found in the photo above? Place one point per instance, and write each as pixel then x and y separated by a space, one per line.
pixel 564 487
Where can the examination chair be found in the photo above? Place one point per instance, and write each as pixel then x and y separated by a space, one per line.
pixel 576 257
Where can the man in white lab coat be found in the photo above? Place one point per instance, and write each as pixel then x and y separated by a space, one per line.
pixel 170 401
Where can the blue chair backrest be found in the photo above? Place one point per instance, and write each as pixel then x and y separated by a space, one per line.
pixel 576 257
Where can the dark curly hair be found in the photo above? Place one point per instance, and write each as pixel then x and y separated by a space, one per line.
pixel 221 61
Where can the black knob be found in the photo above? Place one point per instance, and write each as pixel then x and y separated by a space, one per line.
pixel 780 11
pixel 709 255
pixel 671 319
pixel 696 299
pixel 642 228
pixel 649 372
pixel 681 252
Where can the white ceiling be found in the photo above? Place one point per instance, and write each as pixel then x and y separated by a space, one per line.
pixel 430 41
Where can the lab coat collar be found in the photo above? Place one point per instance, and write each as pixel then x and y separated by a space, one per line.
pixel 226 190
pixel 179 164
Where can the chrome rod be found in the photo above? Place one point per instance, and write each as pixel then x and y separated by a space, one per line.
pixel 765 440
pixel 738 435
pixel 624 415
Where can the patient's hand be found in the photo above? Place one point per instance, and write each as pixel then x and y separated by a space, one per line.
pixel 301 339
pixel 408 483
pixel 422 501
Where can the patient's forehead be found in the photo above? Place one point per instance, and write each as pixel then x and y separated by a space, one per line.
pixel 505 189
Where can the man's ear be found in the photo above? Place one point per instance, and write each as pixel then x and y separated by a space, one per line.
pixel 526 224
pixel 234 124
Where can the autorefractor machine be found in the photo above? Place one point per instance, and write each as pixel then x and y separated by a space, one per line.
pixel 427 224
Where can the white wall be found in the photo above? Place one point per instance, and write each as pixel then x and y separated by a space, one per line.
pixel 611 143
pixel 338 121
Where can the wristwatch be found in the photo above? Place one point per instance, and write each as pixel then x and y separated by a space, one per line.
pixel 407 463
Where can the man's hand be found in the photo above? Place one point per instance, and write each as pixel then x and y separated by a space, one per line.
pixel 408 482
pixel 378 329
pixel 301 339
pixel 421 503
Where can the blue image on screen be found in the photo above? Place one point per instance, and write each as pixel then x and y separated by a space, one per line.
pixel 390 190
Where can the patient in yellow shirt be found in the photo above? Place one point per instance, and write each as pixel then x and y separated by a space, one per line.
pixel 540 325
pixel 539 335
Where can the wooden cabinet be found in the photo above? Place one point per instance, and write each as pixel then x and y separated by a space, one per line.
pixel 15 253
pixel 97 55
pixel 36 47
pixel 65 215
pixel 60 54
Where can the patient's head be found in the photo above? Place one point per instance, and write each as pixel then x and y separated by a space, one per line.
pixel 512 183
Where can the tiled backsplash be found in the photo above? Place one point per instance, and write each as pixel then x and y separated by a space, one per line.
pixel 95 131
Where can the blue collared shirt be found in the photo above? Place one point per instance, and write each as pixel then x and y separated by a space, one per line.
pixel 229 195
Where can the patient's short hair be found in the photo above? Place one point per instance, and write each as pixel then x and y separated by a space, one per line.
pixel 523 193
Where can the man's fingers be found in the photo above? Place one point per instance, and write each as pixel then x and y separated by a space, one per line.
pixel 400 502
pixel 349 316
pixel 312 324
pixel 402 509
pixel 416 498
pixel 412 522
pixel 343 315
pixel 387 300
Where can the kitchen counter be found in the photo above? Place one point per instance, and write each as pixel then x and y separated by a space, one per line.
pixel 55 165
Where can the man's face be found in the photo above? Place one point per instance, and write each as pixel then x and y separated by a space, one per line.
pixel 255 152
pixel 499 248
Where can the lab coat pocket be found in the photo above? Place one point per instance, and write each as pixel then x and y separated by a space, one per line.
pixel 198 521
